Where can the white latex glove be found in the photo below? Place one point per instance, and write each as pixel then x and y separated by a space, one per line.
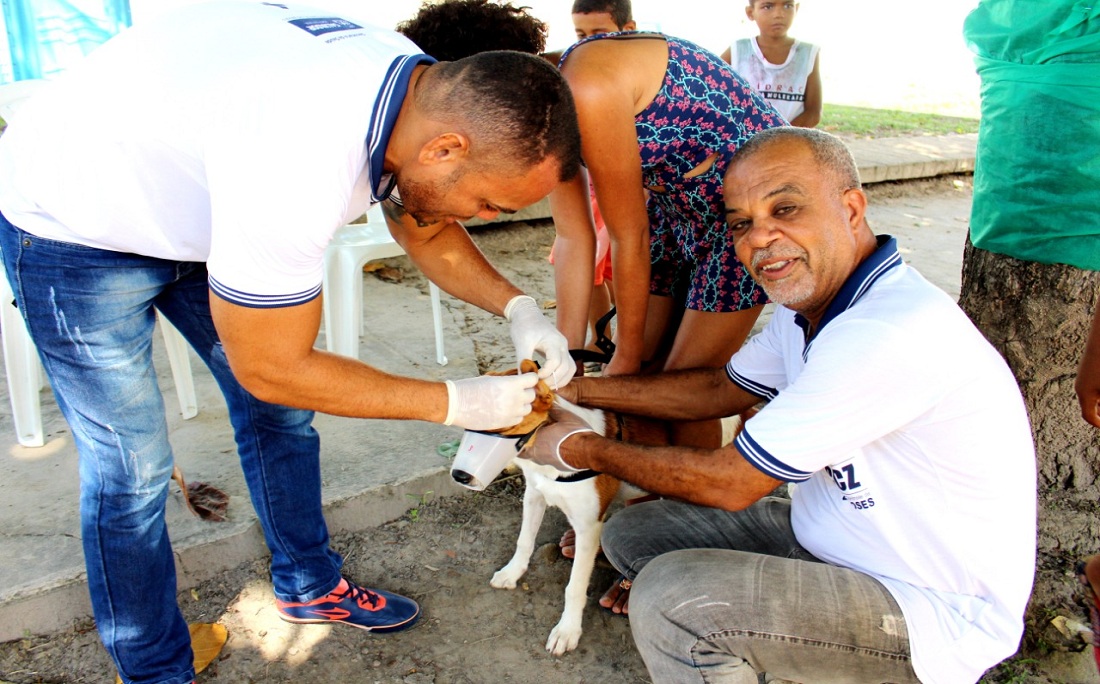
pixel 531 332
pixel 545 446
pixel 490 402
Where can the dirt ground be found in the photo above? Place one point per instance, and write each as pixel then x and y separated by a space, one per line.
pixel 442 553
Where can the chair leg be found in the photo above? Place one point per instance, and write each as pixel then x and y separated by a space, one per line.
pixel 180 362
pixel 23 369
pixel 437 320
pixel 343 303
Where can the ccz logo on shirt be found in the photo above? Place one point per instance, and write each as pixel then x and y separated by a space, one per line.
pixel 852 488
pixel 319 26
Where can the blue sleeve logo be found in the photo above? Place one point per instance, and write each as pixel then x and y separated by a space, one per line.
pixel 319 26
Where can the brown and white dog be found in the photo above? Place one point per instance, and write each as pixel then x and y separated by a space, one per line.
pixel 584 498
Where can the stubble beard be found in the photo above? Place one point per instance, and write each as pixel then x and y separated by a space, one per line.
pixel 791 290
pixel 422 200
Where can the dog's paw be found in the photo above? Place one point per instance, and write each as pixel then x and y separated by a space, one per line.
pixel 563 638
pixel 506 577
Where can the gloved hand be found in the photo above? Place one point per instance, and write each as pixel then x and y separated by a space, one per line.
pixel 544 447
pixel 490 402
pixel 531 332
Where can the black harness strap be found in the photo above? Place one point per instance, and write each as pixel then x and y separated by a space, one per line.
pixel 604 343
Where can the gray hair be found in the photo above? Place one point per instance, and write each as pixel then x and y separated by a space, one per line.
pixel 828 151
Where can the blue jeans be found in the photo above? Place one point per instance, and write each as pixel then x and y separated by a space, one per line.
pixel 90 312
pixel 719 597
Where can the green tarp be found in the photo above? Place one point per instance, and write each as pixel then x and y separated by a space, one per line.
pixel 1037 174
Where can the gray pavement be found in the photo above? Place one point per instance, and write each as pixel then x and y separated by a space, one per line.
pixel 373 471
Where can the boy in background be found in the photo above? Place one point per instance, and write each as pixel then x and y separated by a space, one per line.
pixel 595 17
pixel 782 69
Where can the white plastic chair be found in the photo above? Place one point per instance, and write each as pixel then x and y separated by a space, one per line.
pixel 24 370
pixel 353 246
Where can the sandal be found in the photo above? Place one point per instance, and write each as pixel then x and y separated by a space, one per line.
pixel 1094 607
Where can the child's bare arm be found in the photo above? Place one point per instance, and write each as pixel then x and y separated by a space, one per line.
pixel 811 115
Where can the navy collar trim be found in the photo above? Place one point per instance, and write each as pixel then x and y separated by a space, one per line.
pixel 386 108
pixel 873 267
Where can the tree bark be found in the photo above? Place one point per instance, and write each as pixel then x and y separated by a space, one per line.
pixel 1038 316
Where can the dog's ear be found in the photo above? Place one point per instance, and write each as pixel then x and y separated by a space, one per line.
pixel 540 407
pixel 528 366
pixel 544 396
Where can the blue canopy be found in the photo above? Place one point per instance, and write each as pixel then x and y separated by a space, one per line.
pixel 45 36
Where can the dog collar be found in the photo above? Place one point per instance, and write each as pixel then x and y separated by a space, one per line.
pixel 579 476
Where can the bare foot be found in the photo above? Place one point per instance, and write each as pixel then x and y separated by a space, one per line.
pixel 568 544
pixel 617 597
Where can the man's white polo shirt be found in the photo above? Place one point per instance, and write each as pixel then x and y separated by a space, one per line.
pixel 242 134
pixel 908 438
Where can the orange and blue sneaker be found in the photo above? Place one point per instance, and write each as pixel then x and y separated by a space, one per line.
pixel 370 609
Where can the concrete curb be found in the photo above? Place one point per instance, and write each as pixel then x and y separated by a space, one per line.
pixel 64 601
pixel 893 159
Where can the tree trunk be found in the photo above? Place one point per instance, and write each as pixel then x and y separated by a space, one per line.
pixel 1038 317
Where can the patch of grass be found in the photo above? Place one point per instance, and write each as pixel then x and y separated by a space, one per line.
pixel 864 122
pixel 1015 670
pixel 414 512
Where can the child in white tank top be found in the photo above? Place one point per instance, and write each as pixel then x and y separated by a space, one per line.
pixel 782 69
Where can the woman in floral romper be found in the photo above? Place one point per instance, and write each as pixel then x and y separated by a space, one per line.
pixel 660 119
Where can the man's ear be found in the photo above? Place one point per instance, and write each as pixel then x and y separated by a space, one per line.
pixel 629 26
pixel 444 148
pixel 749 12
pixel 855 202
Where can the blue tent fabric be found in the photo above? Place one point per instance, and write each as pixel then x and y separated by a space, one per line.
pixel 45 36
pixel 1037 172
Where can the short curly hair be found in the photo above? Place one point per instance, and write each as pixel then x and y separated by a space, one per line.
pixel 453 29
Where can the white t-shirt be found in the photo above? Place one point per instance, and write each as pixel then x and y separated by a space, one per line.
pixel 909 441
pixel 238 133
pixel 782 85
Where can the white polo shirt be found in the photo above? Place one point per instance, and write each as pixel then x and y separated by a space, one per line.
pixel 238 133
pixel 909 441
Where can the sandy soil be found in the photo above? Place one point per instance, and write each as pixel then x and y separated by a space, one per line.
pixel 442 553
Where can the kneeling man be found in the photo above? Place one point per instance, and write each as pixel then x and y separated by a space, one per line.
pixel 906 550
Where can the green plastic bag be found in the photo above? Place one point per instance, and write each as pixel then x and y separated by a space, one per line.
pixel 1037 173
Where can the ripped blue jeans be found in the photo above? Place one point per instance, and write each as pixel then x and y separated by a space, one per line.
pixel 91 315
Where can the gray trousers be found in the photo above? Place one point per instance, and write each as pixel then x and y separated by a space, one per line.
pixel 719 597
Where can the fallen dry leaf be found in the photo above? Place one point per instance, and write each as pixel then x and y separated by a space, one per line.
pixel 372 266
pixel 389 274
pixel 204 500
pixel 207 640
